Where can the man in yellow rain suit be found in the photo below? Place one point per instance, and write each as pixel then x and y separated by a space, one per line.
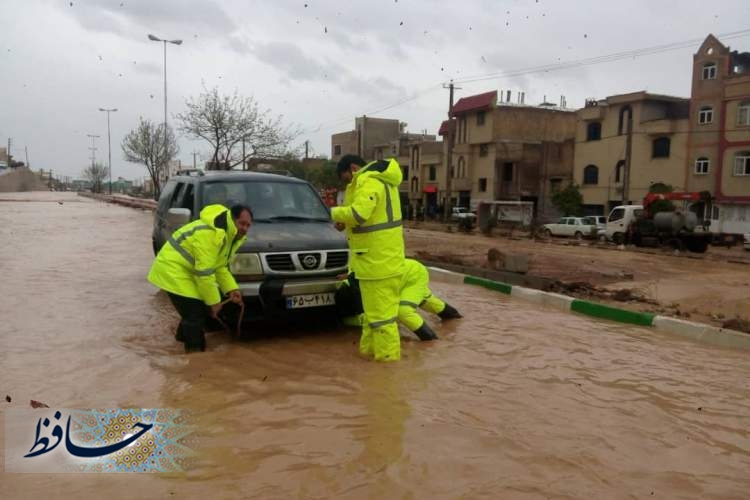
pixel 415 293
pixel 372 218
pixel 193 268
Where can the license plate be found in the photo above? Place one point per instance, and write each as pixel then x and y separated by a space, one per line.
pixel 311 300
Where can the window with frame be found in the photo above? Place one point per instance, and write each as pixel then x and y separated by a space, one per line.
pixel 461 168
pixel 591 175
pixel 507 172
pixel 709 71
pixel 484 149
pixel 660 147
pixel 483 185
pixel 706 115
pixel 702 165
pixel 433 173
pixel 594 131
pixel 743 113
pixel 337 149
pixel 742 163
pixel 480 118
pixel 555 185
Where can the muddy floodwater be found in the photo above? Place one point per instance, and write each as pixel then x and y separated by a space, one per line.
pixel 512 402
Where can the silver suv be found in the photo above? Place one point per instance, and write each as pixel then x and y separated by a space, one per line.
pixel 293 252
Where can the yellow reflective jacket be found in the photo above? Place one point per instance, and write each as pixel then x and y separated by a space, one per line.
pixel 195 260
pixel 373 219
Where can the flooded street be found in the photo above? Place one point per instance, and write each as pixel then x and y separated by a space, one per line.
pixel 512 402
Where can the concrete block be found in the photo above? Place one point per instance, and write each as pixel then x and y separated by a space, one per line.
pixel 702 332
pixel 516 263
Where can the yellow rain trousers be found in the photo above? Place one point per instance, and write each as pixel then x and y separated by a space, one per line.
pixel 376 244
pixel 415 293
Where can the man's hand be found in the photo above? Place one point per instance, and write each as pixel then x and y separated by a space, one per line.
pixel 340 226
pixel 342 276
pixel 235 296
pixel 215 309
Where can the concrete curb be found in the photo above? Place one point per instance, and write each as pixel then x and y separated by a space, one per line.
pixel 687 329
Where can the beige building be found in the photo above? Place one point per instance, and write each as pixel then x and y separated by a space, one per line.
pixel 655 143
pixel 379 138
pixel 367 134
pixel 718 158
pixel 510 151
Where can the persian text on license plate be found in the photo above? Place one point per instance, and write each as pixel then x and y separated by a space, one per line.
pixel 311 300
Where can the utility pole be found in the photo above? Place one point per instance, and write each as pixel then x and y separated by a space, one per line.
pixel 7 154
pixel 93 157
pixel 26 149
pixel 195 167
pixel 628 153
pixel 447 209
pixel 307 148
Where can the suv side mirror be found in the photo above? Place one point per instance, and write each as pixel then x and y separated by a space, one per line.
pixel 177 217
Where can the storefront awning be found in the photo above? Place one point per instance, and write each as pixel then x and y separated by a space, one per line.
pixel 430 189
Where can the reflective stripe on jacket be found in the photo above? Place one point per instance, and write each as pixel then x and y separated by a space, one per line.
pixel 373 219
pixel 195 260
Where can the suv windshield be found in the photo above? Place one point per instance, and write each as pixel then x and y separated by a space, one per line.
pixel 269 200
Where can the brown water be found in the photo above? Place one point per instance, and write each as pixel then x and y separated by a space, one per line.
pixel 512 402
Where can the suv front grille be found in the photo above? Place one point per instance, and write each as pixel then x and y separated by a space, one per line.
pixel 280 262
pixel 337 259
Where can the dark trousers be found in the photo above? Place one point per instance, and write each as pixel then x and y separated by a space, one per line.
pixel 193 314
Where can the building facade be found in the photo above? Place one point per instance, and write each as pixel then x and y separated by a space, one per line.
pixel 510 151
pixel 718 157
pixel 627 143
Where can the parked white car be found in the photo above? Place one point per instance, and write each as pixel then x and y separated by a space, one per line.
pixel 460 213
pixel 747 241
pixel 577 227
pixel 600 221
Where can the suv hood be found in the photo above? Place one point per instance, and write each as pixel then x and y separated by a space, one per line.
pixel 284 236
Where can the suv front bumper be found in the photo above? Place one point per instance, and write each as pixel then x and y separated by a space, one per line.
pixel 268 297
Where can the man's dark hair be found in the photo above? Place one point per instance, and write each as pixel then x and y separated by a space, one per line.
pixel 238 209
pixel 345 163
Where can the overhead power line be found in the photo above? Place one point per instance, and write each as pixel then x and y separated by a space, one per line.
pixel 616 56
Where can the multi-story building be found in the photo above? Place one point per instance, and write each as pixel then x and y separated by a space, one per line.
pixel 718 149
pixel 625 144
pixel 379 138
pixel 510 151
pixel 367 134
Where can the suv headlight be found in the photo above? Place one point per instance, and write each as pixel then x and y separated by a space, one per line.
pixel 246 264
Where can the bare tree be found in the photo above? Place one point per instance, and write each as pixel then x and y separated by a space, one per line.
pixel 145 144
pixel 95 173
pixel 235 128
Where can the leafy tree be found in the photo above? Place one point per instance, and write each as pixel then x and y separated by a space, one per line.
pixel 146 144
pixel 229 122
pixel 96 174
pixel 569 200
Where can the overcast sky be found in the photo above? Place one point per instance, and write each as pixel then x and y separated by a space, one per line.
pixel 319 63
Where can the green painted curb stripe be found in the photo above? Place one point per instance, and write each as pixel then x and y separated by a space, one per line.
pixel 492 285
pixel 612 313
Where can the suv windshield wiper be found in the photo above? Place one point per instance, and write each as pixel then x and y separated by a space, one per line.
pixel 298 218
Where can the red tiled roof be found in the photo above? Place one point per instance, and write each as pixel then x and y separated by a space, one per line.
pixel 443 128
pixel 477 102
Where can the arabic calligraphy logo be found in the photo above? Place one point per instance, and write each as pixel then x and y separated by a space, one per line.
pixel 120 440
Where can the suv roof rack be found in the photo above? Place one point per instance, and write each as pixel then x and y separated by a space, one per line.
pixel 190 171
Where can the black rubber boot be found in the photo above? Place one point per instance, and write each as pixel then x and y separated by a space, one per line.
pixel 424 332
pixel 449 313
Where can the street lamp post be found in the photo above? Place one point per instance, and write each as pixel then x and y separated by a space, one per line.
pixel 166 139
pixel 109 145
